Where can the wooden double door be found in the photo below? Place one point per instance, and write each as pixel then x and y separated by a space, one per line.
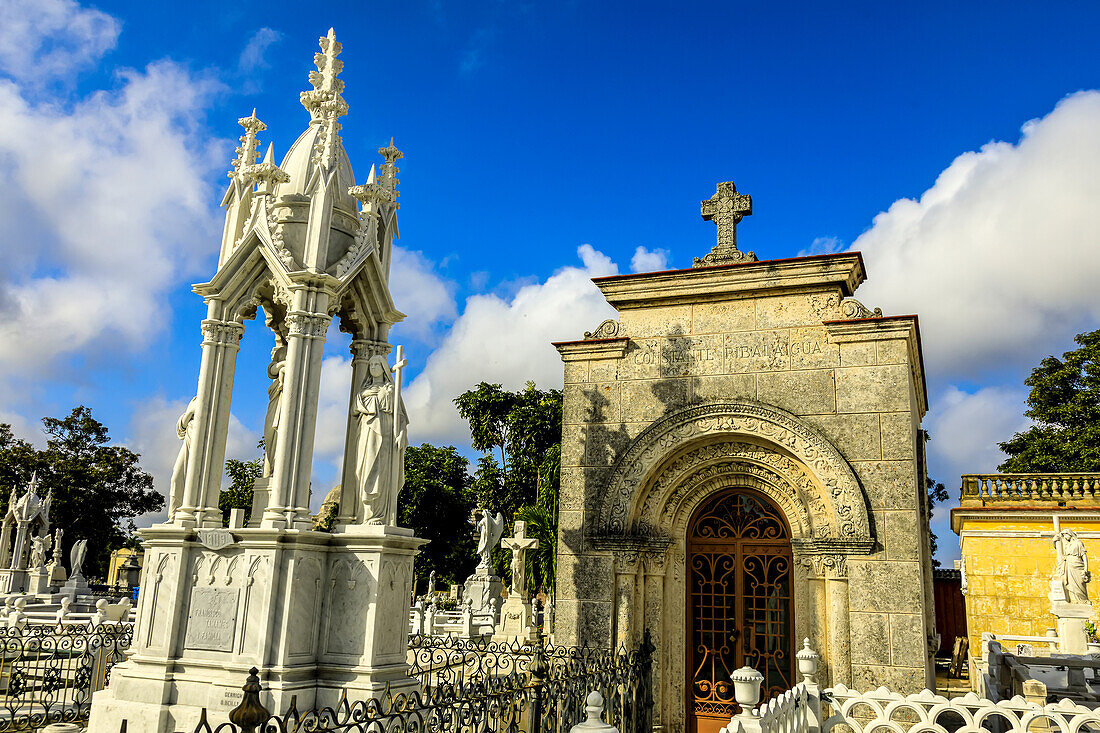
pixel 739 605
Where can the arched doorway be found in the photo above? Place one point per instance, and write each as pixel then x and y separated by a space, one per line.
pixel 739 602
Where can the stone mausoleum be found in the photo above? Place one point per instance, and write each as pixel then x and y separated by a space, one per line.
pixel 742 467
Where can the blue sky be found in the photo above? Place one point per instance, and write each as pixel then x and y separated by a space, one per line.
pixel 955 144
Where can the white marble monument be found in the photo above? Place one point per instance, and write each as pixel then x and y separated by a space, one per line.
pixel 483 586
pixel 317 611
pixel 1069 598
pixel 23 541
pixel 517 616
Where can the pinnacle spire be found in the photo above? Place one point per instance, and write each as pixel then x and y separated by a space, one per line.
pixel 389 170
pixel 266 174
pixel 246 151
pixel 324 99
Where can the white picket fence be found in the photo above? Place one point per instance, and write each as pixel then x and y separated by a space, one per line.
pixel 801 709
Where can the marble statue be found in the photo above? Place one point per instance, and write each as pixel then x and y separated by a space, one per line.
pixel 179 470
pixel 29 505
pixel 431 585
pixel 383 438
pixel 40 546
pixel 276 371
pixel 76 558
pixel 489 529
pixel 1073 566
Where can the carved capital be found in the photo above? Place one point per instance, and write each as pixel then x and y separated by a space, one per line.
pixel 221 333
pixel 307 325
pixel 366 348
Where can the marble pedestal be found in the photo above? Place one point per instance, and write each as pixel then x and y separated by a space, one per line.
pixel 1072 618
pixel 318 613
pixel 482 587
pixel 58 574
pixel 516 622
pixel 13 581
pixel 76 586
pixel 38 581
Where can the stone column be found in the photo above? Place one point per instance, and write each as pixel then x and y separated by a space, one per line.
pixel 840 647
pixel 307 321
pixel 361 352
pixel 220 344
pixel 626 579
pixel 653 619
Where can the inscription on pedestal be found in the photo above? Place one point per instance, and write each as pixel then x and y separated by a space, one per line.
pixel 212 621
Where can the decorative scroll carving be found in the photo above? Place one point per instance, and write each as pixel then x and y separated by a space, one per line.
pixel 852 308
pixel 651 449
pixel 834 565
pixel 606 330
pixel 281 251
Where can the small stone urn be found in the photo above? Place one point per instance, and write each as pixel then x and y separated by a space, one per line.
pixel 808 660
pixel 746 689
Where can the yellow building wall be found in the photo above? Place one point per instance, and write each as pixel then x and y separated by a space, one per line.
pixel 1008 578
pixel 118 559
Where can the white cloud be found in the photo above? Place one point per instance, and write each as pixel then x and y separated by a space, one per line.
pixel 109 206
pixel 649 260
pixel 506 341
pixel 821 246
pixel 425 297
pixel 153 434
pixel 966 428
pixel 45 39
pixel 252 57
pixel 1001 256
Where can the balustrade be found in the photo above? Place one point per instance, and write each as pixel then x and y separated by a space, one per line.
pixel 982 489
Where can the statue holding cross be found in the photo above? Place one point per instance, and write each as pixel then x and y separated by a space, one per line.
pixel 726 208
pixel 519 545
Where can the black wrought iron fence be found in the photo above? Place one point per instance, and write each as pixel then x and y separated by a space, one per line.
pixel 471 686
pixel 49 672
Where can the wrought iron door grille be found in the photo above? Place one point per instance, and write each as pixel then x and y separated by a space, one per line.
pixel 739 599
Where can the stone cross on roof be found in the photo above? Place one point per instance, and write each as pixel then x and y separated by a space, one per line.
pixel 726 208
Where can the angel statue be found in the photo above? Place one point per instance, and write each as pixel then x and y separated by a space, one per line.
pixel 1073 566
pixel 490 529
pixel 39 547
pixel 76 558
pixel 383 438
pixel 185 432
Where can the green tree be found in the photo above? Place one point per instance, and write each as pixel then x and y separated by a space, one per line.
pixel 243 475
pixel 1065 404
pixel 523 428
pixel 436 501
pixel 98 489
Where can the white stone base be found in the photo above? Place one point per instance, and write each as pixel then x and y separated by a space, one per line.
pixel 1072 618
pixel 317 613
pixel 482 589
pixel 515 622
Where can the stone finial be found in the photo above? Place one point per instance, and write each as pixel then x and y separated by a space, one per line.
pixel 808 661
pixel 267 174
pixel 246 151
pixel 593 708
pixel 326 86
pixel 726 208
pixel 389 170
pixel 746 689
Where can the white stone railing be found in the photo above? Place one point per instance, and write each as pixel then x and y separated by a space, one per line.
pixel 1037 487
pixel 927 712
pixel 805 709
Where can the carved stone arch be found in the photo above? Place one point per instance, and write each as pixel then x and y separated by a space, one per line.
pixel 664 514
pixel 804 500
pixel 785 433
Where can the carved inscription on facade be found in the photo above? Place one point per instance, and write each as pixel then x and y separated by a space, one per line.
pixel 735 353
pixel 212 621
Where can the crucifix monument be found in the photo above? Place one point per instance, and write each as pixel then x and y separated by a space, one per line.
pixel 517 620
pixel 320 610
pixel 726 208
